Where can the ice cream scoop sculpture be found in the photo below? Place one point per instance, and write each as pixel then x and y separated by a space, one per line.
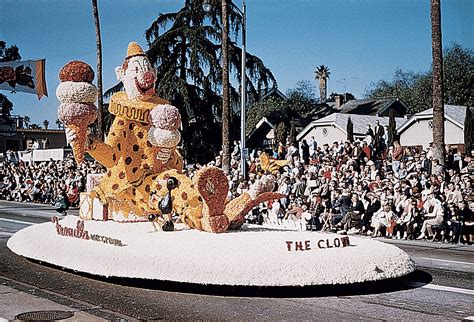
pixel 141 157
pixel 77 96
pixel 164 132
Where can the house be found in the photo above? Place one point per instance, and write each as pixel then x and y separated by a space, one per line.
pixel 418 130
pixel 333 127
pixel 376 107
pixel 17 139
pixel 262 136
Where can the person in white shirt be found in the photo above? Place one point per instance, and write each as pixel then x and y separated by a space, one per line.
pixel 434 211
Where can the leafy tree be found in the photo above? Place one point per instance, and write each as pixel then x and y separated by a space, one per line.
pixel 459 76
pixel 415 89
pixel 281 132
pixel 45 124
pixel 7 54
pixel 59 124
pixel 5 107
pixel 272 108
pixel 35 126
pixel 186 48
pixel 302 99
pixel 11 53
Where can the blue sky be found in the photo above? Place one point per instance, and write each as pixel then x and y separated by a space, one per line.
pixel 361 41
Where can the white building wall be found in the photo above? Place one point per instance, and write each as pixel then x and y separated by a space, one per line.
pixel 325 134
pixel 420 133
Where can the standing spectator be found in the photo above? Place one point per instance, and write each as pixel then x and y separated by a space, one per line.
pixel 305 151
pixel 396 157
pixel 379 133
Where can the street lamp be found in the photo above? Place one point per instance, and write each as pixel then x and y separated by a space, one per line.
pixel 207 6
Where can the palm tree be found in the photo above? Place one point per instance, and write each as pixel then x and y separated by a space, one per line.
pixel 45 124
pixel 322 74
pixel 26 119
pixel 59 124
pixel 186 48
pixel 438 107
pixel 100 127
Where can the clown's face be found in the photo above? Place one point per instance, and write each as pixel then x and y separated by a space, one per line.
pixel 138 77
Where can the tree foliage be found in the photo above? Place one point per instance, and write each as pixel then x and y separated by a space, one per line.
pixel 11 53
pixel 415 88
pixel 302 99
pixel 185 46
pixel 7 54
pixel 272 108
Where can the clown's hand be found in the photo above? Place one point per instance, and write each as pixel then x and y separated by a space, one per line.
pixel 70 135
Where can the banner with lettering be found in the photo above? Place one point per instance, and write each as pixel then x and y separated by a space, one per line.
pixel 24 76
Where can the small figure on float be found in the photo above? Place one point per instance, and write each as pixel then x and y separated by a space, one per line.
pixel 164 220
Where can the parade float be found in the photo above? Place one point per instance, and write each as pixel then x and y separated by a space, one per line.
pixel 145 219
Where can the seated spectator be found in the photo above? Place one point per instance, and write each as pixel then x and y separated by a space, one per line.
pixel 352 219
pixel 466 216
pixel 435 214
pixel 383 218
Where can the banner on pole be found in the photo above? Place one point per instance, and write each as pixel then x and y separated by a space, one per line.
pixel 24 76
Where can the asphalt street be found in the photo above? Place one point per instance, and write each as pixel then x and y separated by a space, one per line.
pixel 442 288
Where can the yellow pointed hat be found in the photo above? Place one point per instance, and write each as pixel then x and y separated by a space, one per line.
pixel 134 49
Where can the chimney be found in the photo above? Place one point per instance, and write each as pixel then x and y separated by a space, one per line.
pixel 339 101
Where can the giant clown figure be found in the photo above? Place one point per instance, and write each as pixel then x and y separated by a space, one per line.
pixel 140 156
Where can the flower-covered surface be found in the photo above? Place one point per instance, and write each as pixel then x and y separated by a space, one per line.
pixel 164 138
pixel 76 71
pixel 79 114
pixel 140 155
pixel 77 96
pixel 76 92
pixel 166 117
pixel 252 257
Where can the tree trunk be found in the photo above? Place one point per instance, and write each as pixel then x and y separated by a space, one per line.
pixel 225 90
pixel 100 103
pixel 438 107
pixel 322 90
pixel 468 132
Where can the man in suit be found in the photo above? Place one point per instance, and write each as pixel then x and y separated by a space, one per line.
pixel 379 133
pixel 425 163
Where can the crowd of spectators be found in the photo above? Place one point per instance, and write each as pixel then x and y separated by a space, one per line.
pixel 44 182
pixel 366 187
pixel 361 187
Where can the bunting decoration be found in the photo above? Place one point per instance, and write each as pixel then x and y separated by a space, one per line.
pixel 24 76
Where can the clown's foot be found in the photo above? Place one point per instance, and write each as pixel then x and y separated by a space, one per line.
pixel 213 187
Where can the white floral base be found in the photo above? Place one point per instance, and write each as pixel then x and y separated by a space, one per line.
pixel 253 256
